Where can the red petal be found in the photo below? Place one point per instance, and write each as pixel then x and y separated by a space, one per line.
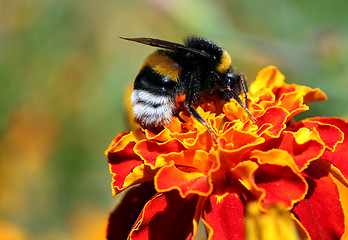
pixel 122 162
pixel 281 185
pixel 326 127
pixel 237 139
pixel 170 177
pixel 126 213
pixel 224 217
pixel 303 146
pixel 150 150
pixel 275 117
pixel 339 158
pixel 167 216
pixel 321 212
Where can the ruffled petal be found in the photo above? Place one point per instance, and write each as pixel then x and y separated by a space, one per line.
pixel 272 121
pixel 281 185
pixel 330 134
pixel 293 103
pixel 121 163
pixel 321 212
pixel 186 182
pixel 244 172
pixel 338 157
pixel 273 162
pixel 303 146
pixel 224 217
pixel 167 216
pixel 150 150
pixel 126 213
pixel 199 161
pixel 275 157
pixel 269 77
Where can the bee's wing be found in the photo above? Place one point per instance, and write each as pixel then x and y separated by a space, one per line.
pixel 167 45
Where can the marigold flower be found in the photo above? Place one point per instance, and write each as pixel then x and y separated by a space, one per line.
pixel 180 174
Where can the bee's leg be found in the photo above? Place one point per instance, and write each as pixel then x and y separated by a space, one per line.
pixel 194 113
pixel 245 88
pixel 189 100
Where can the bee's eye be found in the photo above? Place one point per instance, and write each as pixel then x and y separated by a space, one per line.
pixel 230 78
pixel 229 75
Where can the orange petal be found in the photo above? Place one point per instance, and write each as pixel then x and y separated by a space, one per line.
pixel 276 157
pixel 313 95
pixel 170 178
pixel 269 77
pixel 123 139
pixel 239 139
pixel 162 136
pixel 198 160
pixel 293 103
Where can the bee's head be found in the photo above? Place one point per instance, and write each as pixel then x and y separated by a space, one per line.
pixel 226 83
pixel 231 80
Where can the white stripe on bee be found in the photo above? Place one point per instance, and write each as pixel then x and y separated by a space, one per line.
pixel 143 96
pixel 147 114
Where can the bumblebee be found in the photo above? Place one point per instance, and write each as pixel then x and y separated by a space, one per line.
pixel 195 69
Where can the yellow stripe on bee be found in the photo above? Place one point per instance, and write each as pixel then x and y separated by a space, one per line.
pixel 225 62
pixel 163 65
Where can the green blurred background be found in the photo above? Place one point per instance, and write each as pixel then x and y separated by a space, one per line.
pixel 63 71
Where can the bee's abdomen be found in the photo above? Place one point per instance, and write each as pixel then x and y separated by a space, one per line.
pixel 153 98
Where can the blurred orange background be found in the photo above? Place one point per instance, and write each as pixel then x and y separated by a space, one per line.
pixel 63 71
